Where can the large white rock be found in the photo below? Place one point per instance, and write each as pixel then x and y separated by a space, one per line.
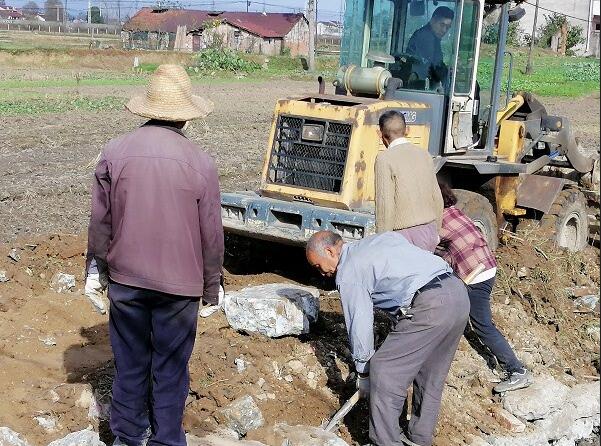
pixel 216 440
pixel 243 415
pixel 62 282
pixel 530 439
pixel 9 437
pixel 572 419
pixel 539 400
pixel 81 438
pixel 577 417
pixel 274 310
pixel 307 436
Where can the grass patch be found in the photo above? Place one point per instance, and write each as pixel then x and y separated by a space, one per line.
pixel 35 105
pixel 552 75
pixel 148 67
pixel 72 82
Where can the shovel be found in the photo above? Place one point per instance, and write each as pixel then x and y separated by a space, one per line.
pixel 329 425
pixel 338 416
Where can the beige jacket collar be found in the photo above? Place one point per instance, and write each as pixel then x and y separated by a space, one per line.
pixel 398 142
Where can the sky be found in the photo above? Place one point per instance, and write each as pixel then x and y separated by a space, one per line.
pixel 326 9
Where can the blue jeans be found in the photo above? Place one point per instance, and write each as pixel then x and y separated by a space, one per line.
pixel 488 333
pixel 152 336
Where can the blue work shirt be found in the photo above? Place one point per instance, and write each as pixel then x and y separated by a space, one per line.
pixel 382 271
pixel 425 45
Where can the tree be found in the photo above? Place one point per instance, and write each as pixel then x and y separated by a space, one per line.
pixel 2 3
pixel 54 10
pixel 31 9
pixel 552 26
pixel 490 34
pixel 95 16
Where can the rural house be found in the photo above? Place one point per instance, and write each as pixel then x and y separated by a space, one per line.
pixel 329 29
pixel 10 13
pixel 192 30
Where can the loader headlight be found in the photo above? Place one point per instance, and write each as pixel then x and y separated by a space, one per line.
pixel 313 132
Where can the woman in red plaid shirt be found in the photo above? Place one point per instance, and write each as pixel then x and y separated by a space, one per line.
pixel 464 247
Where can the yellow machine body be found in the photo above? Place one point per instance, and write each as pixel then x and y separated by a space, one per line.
pixel 510 148
pixel 358 183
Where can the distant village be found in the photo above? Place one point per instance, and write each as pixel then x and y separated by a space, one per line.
pixel 154 28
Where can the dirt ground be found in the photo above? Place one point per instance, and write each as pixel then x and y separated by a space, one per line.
pixel 46 162
pixel 54 348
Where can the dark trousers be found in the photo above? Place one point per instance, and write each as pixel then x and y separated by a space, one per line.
pixel 485 329
pixel 417 351
pixel 152 336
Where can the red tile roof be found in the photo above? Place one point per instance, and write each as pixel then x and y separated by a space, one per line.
pixel 8 12
pixel 270 25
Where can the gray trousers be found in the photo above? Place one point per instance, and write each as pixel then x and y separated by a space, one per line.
pixel 419 351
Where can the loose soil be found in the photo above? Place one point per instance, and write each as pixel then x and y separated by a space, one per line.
pixel 46 164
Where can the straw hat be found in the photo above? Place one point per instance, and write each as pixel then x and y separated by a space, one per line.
pixel 169 97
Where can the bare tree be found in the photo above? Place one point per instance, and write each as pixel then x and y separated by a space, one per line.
pixel 31 9
pixel 54 10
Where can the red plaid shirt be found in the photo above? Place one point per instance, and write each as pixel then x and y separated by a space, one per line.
pixel 462 244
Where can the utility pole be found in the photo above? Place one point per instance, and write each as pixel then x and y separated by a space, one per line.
pixel 89 11
pixel 65 13
pixel 247 5
pixel 532 38
pixel 311 16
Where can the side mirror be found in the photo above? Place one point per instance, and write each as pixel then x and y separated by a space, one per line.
pixel 516 14
pixel 417 8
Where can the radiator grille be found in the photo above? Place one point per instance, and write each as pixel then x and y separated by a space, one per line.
pixel 314 165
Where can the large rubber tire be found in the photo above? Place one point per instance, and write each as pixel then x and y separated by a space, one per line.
pixel 478 208
pixel 568 220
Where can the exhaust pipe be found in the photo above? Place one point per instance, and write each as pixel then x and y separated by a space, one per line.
pixel 322 85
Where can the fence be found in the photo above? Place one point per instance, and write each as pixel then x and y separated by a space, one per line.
pixel 328 40
pixel 60 28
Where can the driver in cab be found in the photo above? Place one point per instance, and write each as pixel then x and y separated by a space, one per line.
pixel 425 44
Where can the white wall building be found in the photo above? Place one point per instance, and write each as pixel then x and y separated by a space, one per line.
pixel 579 12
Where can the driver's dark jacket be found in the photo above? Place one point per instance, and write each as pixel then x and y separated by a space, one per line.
pixel 425 45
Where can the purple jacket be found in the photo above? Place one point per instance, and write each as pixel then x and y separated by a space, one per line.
pixel 156 213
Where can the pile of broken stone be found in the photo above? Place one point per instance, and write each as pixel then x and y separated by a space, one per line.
pixel 548 412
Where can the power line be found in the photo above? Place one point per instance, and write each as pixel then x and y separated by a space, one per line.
pixel 558 12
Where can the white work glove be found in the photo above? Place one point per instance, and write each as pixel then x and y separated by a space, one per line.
pixel 363 386
pixel 96 284
pixel 209 310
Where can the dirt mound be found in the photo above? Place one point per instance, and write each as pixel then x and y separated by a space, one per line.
pixel 30 264
pixel 55 350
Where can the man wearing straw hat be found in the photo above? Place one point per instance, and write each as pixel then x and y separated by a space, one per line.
pixel 156 238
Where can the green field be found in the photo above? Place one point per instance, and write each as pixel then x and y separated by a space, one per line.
pixel 71 68
pixel 552 75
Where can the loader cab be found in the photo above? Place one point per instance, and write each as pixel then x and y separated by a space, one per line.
pixel 432 46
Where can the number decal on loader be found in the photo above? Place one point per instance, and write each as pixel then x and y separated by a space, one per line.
pixel 410 116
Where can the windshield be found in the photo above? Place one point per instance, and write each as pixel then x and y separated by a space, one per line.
pixel 420 35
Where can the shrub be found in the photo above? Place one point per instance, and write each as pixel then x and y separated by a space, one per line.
pixel 552 26
pixel 490 34
pixel 223 59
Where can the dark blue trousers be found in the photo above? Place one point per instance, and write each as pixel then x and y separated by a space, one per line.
pixel 152 336
pixel 481 319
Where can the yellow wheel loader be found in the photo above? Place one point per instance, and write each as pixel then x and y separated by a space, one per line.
pixel 501 155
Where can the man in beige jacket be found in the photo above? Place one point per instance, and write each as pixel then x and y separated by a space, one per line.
pixel 408 199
